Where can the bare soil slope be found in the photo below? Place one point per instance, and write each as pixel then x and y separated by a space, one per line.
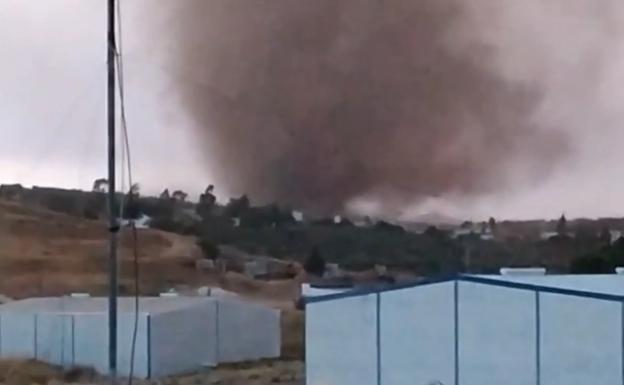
pixel 47 253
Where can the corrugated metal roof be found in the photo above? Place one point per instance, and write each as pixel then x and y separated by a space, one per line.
pixel 69 305
pixel 594 283
pixel 609 287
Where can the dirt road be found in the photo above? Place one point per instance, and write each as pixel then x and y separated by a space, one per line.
pixel 261 373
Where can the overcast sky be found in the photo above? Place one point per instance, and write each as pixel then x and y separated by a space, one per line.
pixel 52 98
pixel 52 81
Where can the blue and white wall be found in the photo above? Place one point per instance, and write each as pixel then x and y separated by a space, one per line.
pixel 183 340
pixel 470 331
pixel 70 340
pixel 246 332
pixel 172 340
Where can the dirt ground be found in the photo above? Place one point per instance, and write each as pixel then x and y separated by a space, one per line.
pixel 47 253
pixel 260 373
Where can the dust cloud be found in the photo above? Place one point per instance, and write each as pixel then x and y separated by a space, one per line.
pixel 320 103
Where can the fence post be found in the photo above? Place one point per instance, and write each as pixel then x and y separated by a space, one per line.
pixel 73 339
pixel 456 327
pixel 217 342
pixel 63 318
pixel 378 338
pixel 35 332
pixel 149 345
pixel 538 346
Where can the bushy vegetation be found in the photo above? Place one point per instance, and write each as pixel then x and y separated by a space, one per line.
pixel 210 250
pixel 581 246
pixel 604 260
pixel 315 264
pixel 353 247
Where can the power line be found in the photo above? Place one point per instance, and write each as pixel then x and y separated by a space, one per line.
pixel 126 157
pixel 59 131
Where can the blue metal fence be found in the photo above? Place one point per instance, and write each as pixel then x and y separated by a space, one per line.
pixel 541 361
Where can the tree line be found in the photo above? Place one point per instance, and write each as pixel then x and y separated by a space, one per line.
pixel 272 229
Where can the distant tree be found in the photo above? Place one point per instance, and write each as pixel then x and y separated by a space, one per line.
pixel 100 185
pixel 135 189
pixel 492 225
pixel 591 264
pixel 209 249
pixel 434 232
pixel 208 196
pixel 269 216
pixel 132 205
pixel 467 225
pixel 605 236
pixel 386 226
pixel 345 222
pixel 11 191
pixel 61 202
pixel 276 216
pixel 616 252
pixel 179 196
pixel 586 235
pixel 207 201
pixel 562 225
pixel 237 207
pixel 315 263
pixel 95 206
pixel 324 222
pixel 165 195
pixel 132 209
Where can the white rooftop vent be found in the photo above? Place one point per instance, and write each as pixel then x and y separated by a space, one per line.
pixel 522 271
pixel 619 270
pixel 79 295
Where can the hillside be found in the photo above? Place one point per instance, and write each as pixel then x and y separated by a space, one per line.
pixel 47 253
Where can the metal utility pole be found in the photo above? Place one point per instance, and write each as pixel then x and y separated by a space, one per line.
pixel 111 52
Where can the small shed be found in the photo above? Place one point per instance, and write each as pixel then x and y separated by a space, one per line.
pixel 174 334
pixel 471 330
